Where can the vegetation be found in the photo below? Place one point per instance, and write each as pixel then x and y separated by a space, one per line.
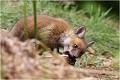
pixel 99 27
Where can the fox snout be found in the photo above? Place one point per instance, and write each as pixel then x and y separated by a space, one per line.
pixel 73 54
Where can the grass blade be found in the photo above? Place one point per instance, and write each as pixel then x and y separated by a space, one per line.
pixel 25 19
pixel 35 20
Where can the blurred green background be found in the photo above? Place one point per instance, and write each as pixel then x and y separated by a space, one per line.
pixel 105 5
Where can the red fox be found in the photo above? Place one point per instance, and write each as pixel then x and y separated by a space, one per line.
pixel 55 33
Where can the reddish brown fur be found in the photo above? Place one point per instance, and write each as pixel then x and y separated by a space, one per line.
pixel 60 26
pixel 79 42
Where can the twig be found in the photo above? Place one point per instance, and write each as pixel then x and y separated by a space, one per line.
pixel 50 56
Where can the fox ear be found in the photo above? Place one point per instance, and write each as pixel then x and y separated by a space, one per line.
pixel 80 32
pixel 90 43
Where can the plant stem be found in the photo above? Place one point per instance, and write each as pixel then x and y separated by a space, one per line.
pixel 35 20
pixel 25 20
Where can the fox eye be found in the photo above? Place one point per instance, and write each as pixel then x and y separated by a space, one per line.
pixel 75 46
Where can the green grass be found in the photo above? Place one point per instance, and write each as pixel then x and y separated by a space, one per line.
pixel 104 35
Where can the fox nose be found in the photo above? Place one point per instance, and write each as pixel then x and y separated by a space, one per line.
pixel 74 57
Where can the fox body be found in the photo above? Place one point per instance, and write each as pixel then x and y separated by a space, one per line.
pixel 55 33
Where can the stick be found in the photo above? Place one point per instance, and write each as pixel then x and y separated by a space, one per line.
pixel 50 56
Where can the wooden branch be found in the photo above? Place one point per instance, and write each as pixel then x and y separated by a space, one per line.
pixel 50 56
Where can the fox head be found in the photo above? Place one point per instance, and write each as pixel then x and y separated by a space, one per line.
pixel 76 45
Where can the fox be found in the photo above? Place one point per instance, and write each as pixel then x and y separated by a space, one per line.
pixel 55 33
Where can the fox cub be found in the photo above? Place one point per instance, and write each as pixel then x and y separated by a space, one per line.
pixel 55 33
